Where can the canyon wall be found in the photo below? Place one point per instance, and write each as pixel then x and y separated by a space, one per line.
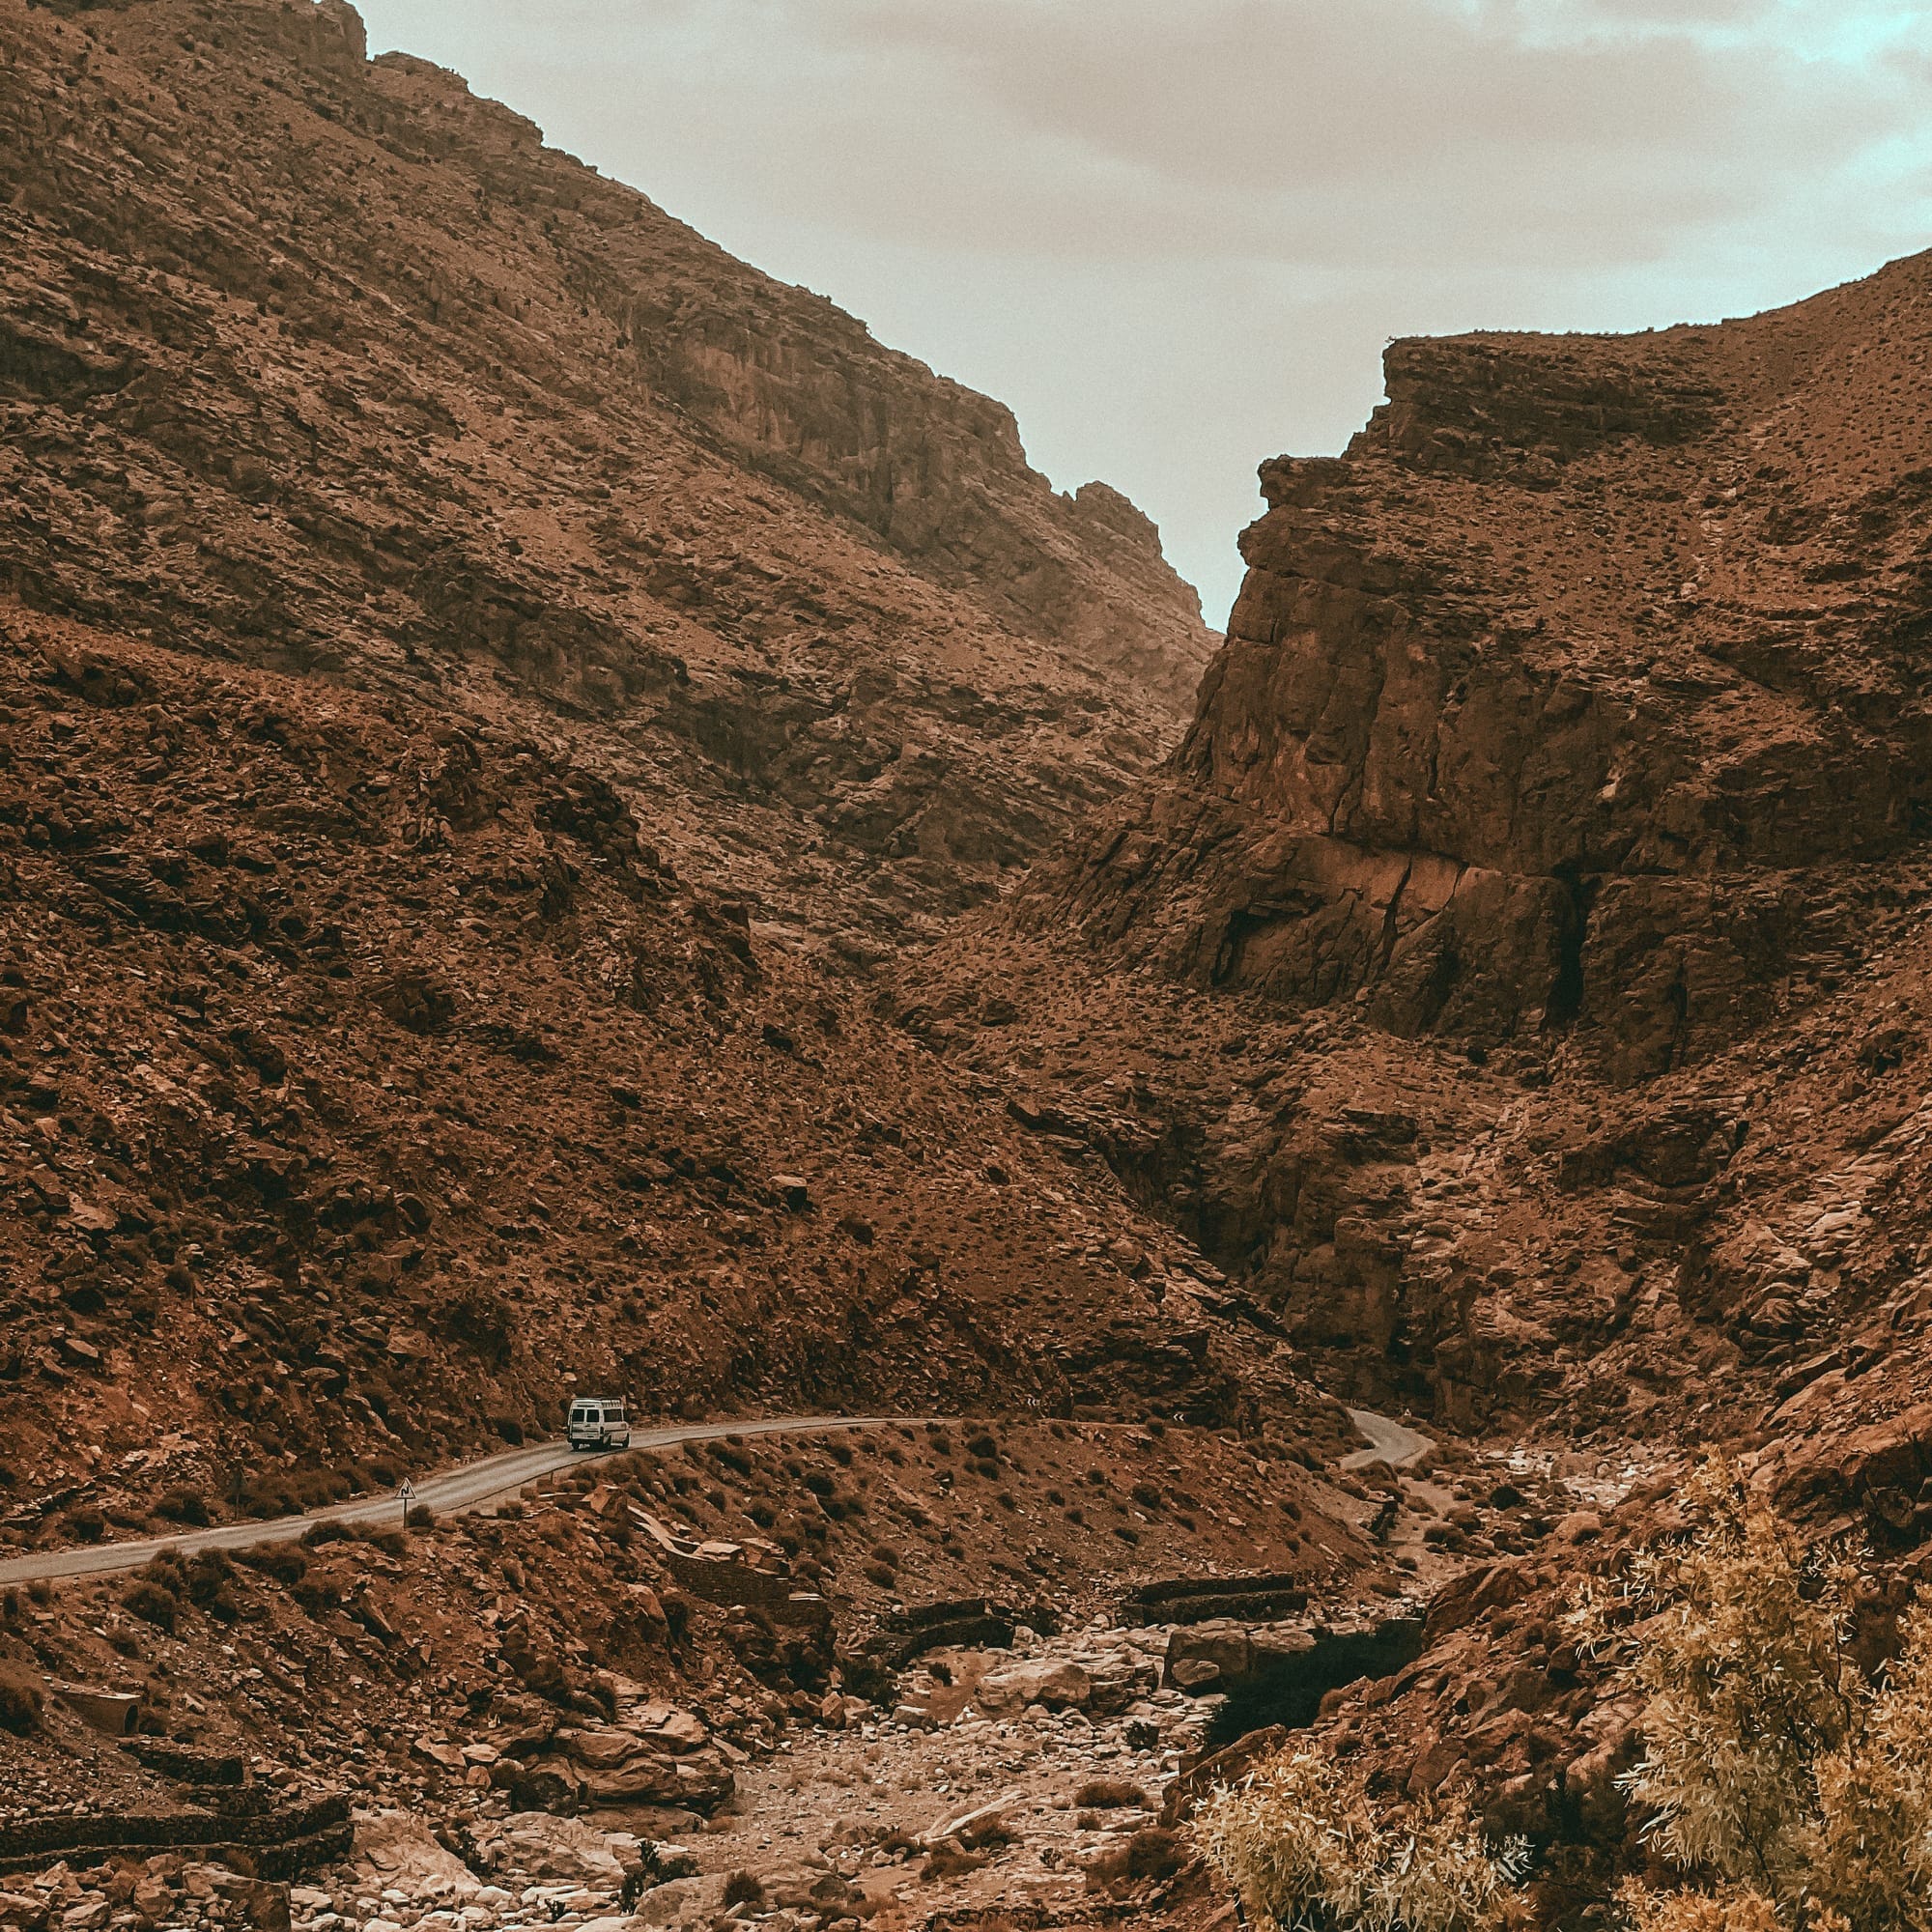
pixel 1580 696
pixel 484 678
pixel 330 367
pixel 1515 979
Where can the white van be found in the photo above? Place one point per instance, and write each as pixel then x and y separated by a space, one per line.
pixel 598 1422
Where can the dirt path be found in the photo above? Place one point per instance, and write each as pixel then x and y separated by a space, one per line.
pixel 466 1486
pixel 1392 1442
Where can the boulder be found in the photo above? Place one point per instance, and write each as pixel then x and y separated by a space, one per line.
pixel 395 1850
pixel 1465 1598
pixel 1207 1655
pixel 601 1750
pixel 1590 1785
pixel 260 1903
pixel 1056 1684
pixel 1226 1766
pixel 545 1846
pixel 980 1824
pixel 676 1731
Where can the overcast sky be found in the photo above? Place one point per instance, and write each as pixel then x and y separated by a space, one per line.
pixel 1174 235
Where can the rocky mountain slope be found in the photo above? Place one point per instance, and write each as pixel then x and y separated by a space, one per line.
pixel 1534 913
pixel 518 741
pixel 483 670
pixel 328 366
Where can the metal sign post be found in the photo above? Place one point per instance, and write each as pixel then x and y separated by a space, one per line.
pixel 407 1495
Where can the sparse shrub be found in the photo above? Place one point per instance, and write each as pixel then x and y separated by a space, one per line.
pixel 982 1446
pixel 420 1517
pixel 184 1505
pixel 1302 1843
pixel 881 1574
pixel 202 1580
pixel 1151 1852
pixel 318 1593
pixel 85 1525
pixel 743 1887
pixel 1109 1794
pixel 319 1533
pixel 268 1496
pixel 1772 1764
pixel 20 1700
pixel 151 1604
pixel 285 1562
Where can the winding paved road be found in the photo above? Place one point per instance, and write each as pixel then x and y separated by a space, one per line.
pixel 475 1485
pixel 1392 1442
pixel 468 1486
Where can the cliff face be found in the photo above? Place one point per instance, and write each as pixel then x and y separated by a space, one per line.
pixel 332 367
pixel 1516 979
pixel 1582 694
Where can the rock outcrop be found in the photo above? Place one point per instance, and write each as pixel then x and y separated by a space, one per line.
pixel 1513 983
pixel 330 367
pixel 1582 695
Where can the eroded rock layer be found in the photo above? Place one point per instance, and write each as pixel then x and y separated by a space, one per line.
pixel 332 367
pixel 1583 695
pixel 1515 982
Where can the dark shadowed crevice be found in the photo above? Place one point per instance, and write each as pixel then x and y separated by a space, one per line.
pixel 1566 992
pixel 1289 1690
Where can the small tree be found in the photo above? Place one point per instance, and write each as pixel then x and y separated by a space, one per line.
pixel 1773 1768
pixel 1302 1845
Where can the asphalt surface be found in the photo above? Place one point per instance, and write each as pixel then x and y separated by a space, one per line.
pixel 470 1485
pixel 1392 1442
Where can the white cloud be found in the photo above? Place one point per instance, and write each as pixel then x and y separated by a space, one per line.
pixel 1175 238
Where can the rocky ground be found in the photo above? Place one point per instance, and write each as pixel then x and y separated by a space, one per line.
pixel 509 1769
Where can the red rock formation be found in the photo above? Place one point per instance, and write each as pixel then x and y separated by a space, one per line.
pixel 332 367
pixel 1582 694
pixel 1516 980
pixel 478 669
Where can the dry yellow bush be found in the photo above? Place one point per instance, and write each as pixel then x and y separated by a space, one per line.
pixel 1307 1852
pixel 1773 1769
